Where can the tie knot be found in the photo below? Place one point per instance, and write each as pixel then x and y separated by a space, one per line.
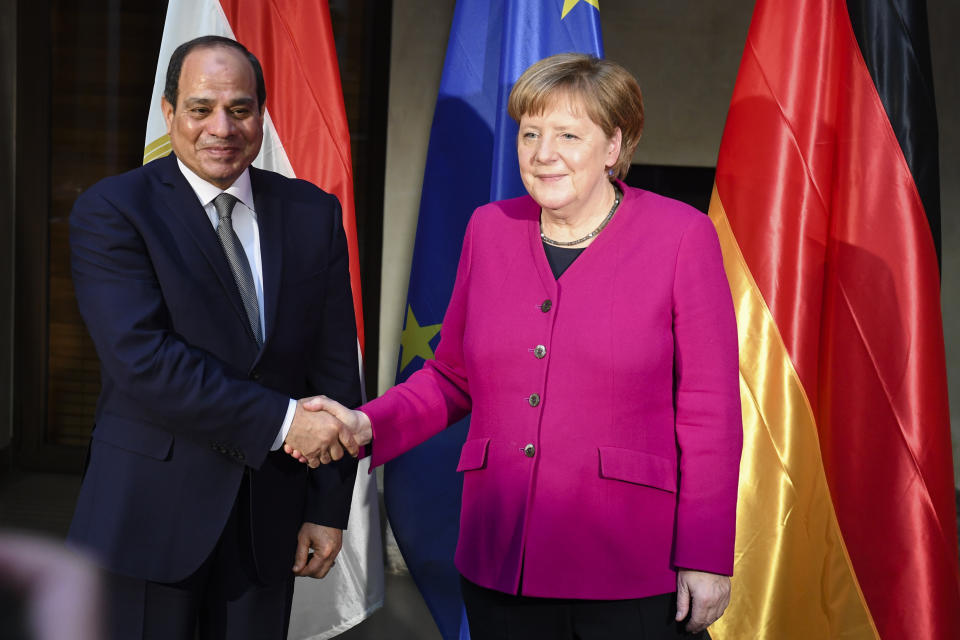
pixel 224 203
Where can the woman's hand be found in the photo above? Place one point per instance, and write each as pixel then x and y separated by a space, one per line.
pixel 356 422
pixel 709 593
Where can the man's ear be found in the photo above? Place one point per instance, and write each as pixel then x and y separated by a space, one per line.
pixel 167 110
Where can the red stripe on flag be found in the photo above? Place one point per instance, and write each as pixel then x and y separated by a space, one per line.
pixel 831 225
pixel 294 42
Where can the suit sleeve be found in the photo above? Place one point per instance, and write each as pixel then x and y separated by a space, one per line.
pixel 176 386
pixel 336 374
pixel 707 397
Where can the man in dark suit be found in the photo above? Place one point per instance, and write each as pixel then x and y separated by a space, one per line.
pixel 211 313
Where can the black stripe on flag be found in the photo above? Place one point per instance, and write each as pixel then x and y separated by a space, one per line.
pixel 895 42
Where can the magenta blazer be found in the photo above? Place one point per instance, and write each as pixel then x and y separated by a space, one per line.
pixel 604 445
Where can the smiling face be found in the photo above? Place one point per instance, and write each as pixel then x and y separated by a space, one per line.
pixel 564 157
pixel 217 126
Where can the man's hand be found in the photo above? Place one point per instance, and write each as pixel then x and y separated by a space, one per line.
pixel 355 426
pixel 710 593
pixel 356 422
pixel 318 438
pixel 325 542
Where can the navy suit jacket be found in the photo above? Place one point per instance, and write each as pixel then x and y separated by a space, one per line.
pixel 189 402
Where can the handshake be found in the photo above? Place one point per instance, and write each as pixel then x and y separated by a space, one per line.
pixel 322 429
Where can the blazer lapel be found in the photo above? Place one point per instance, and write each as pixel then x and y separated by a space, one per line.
pixel 269 207
pixel 180 199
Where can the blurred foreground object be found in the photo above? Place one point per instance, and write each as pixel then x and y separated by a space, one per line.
pixel 60 587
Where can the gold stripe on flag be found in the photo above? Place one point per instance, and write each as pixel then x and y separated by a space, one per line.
pixel 156 149
pixel 792 575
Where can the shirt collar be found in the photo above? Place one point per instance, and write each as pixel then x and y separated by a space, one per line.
pixel 206 192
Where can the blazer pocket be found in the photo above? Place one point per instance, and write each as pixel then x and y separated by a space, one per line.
pixel 473 455
pixel 134 436
pixel 638 467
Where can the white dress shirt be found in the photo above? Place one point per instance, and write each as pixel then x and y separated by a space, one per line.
pixel 244 219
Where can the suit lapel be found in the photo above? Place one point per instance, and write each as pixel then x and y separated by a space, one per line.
pixel 181 201
pixel 269 207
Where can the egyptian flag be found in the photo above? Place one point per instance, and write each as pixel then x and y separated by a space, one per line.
pixel 826 204
pixel 305 136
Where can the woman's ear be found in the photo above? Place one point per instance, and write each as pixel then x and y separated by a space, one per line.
pixel 613 153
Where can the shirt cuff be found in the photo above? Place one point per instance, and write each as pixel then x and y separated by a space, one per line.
pixel 285 427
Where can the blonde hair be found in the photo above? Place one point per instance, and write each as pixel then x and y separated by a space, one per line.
pixel 608 93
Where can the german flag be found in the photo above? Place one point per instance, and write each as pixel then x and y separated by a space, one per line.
pixel 827 206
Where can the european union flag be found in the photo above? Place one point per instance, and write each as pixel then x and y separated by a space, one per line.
pixel 471 160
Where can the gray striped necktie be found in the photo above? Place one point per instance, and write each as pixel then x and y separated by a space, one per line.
pixel 239 264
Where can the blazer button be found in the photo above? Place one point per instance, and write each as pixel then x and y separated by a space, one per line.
pixel 547 304
pixel 540 351
pixel 534 399
pixel 255 376
pixel 529 450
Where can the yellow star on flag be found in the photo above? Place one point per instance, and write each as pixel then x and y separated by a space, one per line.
pixel 570 4
pixel 415 340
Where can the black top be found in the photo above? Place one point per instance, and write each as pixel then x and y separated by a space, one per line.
pixel 560 257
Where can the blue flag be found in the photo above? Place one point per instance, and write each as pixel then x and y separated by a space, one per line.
pixel 471 160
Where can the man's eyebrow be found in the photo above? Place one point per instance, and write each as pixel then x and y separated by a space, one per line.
pixel 245 101
pixel 195 100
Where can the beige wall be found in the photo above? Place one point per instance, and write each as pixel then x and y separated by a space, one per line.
pixel 416 61
pixel 944 18
pixel 685 54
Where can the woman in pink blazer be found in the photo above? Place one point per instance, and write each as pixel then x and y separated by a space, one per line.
pixel 592 335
